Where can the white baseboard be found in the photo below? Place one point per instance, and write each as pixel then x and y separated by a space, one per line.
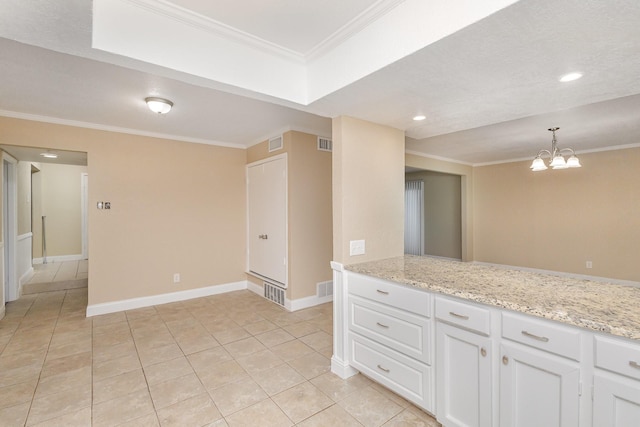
pixel 342 369
pixel 302 303
pixel 293 305
pixel 59 258
pixel 26 276
pixel 133 303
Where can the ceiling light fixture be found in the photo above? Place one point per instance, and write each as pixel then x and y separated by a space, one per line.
pixel 570 77
pixel 557 160
pixel 49 155
pixel 419 117
pixel 159 105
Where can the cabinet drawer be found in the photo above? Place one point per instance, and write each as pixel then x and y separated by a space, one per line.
pixel 468 316
pixel 547 336
pixel 404 332
pixel 618 356
pixel 404 375
pixel 413 300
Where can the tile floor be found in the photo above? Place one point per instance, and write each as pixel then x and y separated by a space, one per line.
pixel 57 276
pixel 226 360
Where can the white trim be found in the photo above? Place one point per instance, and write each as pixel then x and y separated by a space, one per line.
pixel 24 236
pixel 98 126
pixel 444 159
pixel 563 274
pixel 59 258
pixel 25 278
pixel 341 368
pixel 84 213
pixel 133 303
pixel 302 303
pixel 293 305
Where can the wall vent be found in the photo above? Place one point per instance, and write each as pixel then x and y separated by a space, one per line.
pixel 273 293
pixel 324 289
pixel 325 144
pixel 275 143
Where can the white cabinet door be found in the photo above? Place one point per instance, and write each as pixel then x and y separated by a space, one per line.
pixel 267 228
pixel 538 388
pixel 463 377
pixel 616 401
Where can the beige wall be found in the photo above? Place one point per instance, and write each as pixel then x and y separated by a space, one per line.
pixel 442 213
pixel 368 189
pixel 466 174
pixel 176 208
pixel 559 219
pixel 309 210
pixel 60 197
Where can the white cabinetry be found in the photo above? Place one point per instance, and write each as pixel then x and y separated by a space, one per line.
pixel 267 219
pixel 616 385
pixel 463 364
pixel 539 381
pixel 390 337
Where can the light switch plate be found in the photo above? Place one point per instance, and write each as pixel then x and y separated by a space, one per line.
pixel 356 247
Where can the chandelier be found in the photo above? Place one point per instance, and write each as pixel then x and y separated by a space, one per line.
pixel 556 158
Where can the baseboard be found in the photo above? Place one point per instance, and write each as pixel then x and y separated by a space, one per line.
pixel 59 258
pixel 341 368
pixel 133 303
pixel 26 276
pixel 302 303
pixel 293 305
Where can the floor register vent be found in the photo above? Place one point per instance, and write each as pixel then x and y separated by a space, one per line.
pixel 273 293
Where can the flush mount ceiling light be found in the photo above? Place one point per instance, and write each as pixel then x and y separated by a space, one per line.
pixel 49 155
pixel 570 77
pixel 419 117
pixel 557 160
pixel 159 105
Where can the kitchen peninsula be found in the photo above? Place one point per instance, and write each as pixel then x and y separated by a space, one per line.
pixel 488 345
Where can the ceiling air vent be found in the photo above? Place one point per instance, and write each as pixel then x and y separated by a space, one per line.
pixel 324 144
pixel 275 143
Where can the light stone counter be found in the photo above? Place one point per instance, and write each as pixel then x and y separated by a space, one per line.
pixel 603 307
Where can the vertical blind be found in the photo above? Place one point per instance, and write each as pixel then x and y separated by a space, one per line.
pixel 413 217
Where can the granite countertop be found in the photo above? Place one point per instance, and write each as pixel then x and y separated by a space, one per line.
pixel 599 306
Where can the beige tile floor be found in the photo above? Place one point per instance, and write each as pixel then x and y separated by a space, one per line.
pixel 227 360
pixel 60 271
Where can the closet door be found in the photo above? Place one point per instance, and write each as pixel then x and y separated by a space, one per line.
pixel 267 233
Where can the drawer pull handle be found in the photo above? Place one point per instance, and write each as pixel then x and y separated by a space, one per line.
pixel 384 369
pixel 459 316
pixel 634 364
pixel 382 292
pixel 535 337
pixel 382 326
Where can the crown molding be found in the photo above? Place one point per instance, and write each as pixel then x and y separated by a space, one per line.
pixel 357 24
pixel 444 159
pixel 98 126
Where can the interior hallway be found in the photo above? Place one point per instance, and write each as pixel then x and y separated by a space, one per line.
pixel 234 359
pixel 57 276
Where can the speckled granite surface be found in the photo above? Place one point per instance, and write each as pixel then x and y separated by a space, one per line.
pixel 603 307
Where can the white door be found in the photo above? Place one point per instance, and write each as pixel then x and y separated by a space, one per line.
pixel 267 231
pixel 616 401
pixel 538 389
pixel 463 377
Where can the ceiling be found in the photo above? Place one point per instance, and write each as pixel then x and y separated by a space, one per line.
pixel 485 75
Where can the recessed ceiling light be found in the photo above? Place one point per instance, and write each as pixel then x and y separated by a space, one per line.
pixel 419 117
pixel 49 155
pixel 570 77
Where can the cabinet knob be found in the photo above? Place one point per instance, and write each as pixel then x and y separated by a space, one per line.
pixel 483 352
pixel 505 360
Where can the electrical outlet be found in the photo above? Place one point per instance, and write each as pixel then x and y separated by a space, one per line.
pixel 176 278
pixel 356 247
pixel 589 264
